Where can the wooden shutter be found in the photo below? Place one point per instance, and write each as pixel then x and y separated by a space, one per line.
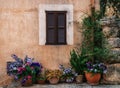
pixel 62 28
pixel 56 27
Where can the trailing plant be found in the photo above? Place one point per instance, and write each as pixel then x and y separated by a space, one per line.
pixel 94 44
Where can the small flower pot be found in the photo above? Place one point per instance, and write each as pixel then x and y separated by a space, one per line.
pixel 92 78
pixel 54 80
pixel 28 82
pixel 41 81
pixel 79 79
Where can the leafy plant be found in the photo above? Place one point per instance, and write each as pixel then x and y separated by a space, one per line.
pixel 94 43
pixel 53 73
pixel 77 62
pixel 41 77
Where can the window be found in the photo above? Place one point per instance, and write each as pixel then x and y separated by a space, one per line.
pixel 55 27
pixel 59 11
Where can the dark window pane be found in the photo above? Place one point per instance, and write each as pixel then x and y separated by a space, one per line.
pixel 51 19
pixel 61 20
pixel 50 36
pixel 61 36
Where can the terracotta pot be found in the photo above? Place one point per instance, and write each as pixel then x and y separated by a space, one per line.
pixel 79 79
pixel 92 78
pixel 54 80
pixel 28 82
pixel 41 81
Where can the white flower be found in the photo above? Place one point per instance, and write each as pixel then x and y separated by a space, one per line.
pixel 95 70
pixel 105 71
pixel 14 68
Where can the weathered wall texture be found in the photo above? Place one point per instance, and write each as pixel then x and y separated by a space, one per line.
pixel 19 32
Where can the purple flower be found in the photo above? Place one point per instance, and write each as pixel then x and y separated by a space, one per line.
pixel 61 66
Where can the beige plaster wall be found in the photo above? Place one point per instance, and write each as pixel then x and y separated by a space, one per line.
pixel 19 32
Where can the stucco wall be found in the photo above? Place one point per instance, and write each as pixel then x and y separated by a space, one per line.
pixel 19 32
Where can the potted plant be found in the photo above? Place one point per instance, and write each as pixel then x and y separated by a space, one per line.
pixel 24 70
pixel 53 76
pixel 41 79
pixel 93 46
pixel 77 62
pixel 68 74
pixel 93 72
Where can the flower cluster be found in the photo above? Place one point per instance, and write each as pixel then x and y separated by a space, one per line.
pixel 23 69
pixel 96 68
pixel 68 73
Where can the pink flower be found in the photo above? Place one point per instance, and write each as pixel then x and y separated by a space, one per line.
pixel 27 64
pixel 29 77
pixel 32 68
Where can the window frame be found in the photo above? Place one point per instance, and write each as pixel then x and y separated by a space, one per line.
pixel 56 27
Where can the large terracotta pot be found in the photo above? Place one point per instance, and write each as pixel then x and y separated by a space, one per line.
pixel 92 78
pixel 54 80
pixel 79 79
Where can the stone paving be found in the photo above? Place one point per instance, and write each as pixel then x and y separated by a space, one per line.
pixel 72 85
pixel 66 85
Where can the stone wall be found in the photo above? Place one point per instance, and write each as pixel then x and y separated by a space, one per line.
pixel 111 29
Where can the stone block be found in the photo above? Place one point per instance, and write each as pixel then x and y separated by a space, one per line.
pixel 116 51
pixel 115 56
pixel 111 32
pixel 114 42
pixel 113 74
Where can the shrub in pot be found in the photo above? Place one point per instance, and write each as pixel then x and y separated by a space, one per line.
pixel 77 62
pixel 53 76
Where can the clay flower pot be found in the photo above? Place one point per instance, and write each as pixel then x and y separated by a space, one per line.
pixel 92 78
pixel 79 79
pixel 41 81
pixel 28 82
pixel 54 80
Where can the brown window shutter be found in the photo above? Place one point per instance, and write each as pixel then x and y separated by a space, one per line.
pixel 55 27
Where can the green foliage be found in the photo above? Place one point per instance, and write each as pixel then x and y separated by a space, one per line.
pixel 94 43
pixel 77 62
